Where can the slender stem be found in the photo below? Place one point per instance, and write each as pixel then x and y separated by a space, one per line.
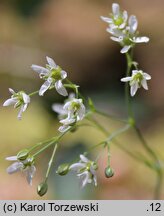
pixel 106 133
pixel 110 116
pixel 39 144
pixel 55 140
pixel 157 167
pixel 119 131
pixel 36 92
pixel 44 148
pixel 108 148
pixel 51 162
pixel 127 96
pixel 150 151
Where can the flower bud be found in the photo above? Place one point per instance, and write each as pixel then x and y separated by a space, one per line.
pixel 23 154
pixel 42 189
pixel 109 172
pixel 63 169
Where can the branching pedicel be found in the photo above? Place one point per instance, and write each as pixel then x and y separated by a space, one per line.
pixel 73 111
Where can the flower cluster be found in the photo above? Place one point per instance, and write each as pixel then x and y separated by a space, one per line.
pixel 71 112
pixel 123 30
pixel 20 99
pixel 86 171
pixel 26 166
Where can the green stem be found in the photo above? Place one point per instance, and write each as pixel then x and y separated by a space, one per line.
pixel 119 131
pixel 54 140
pixel 127 92
pixel 106 133
pixel 110 116
pixel 36 92
pixel 33 93
pixel 108 148
pixel 39 144
pixel 157 166
pixel 51 162
pixel 44 148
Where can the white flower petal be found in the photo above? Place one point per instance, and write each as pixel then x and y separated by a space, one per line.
pixel 60 88
pixel 133 24
pixel 67 121
pixel 125 16
pixel 24 107
pixel 126 79
pixel 15 167
pixel 133 89
pixel 51 62
pixel 144 84
pixel 12 91
pixel 63 74
pixel 146 76
pixel 58 108
pixel 77 166
pixel 26 98
pixel 64 128
pixel 20 112
pixel 44 87
pixel 10 101
pixel 125 49
pixel 84 159
pixel 106 19
pixel 30 171
pixel 39 69
pixel 134 72
pixel 81 112
pixel 84 178
pixel 119 39
pixel 12 158
pixel 140 39
pixel 116 9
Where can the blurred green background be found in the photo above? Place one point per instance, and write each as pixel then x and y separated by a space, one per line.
pixel 72 33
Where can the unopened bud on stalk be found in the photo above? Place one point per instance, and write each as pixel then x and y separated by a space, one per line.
pixel 42 189
pixel 63 169
pixel 109 172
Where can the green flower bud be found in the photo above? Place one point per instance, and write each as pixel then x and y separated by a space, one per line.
pixel 63 169
pixel 23 154
pixel 42 189
pixel 109 172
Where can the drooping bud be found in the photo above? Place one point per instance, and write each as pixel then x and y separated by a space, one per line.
pixel 42 189
pixel 63 169
pixel 23 154
pixel 109 172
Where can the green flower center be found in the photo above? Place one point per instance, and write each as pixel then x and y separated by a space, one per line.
pixel 118 21
pixel 75 106
pixel 56 73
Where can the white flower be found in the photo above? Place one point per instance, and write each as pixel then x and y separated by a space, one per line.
pixel 20 99
pixel 127 37
pixel 124 31
pixel 71 112
pixel 118 19
pixel 53 76
pixel 138 79
pixel 25 166
pixel 86 171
